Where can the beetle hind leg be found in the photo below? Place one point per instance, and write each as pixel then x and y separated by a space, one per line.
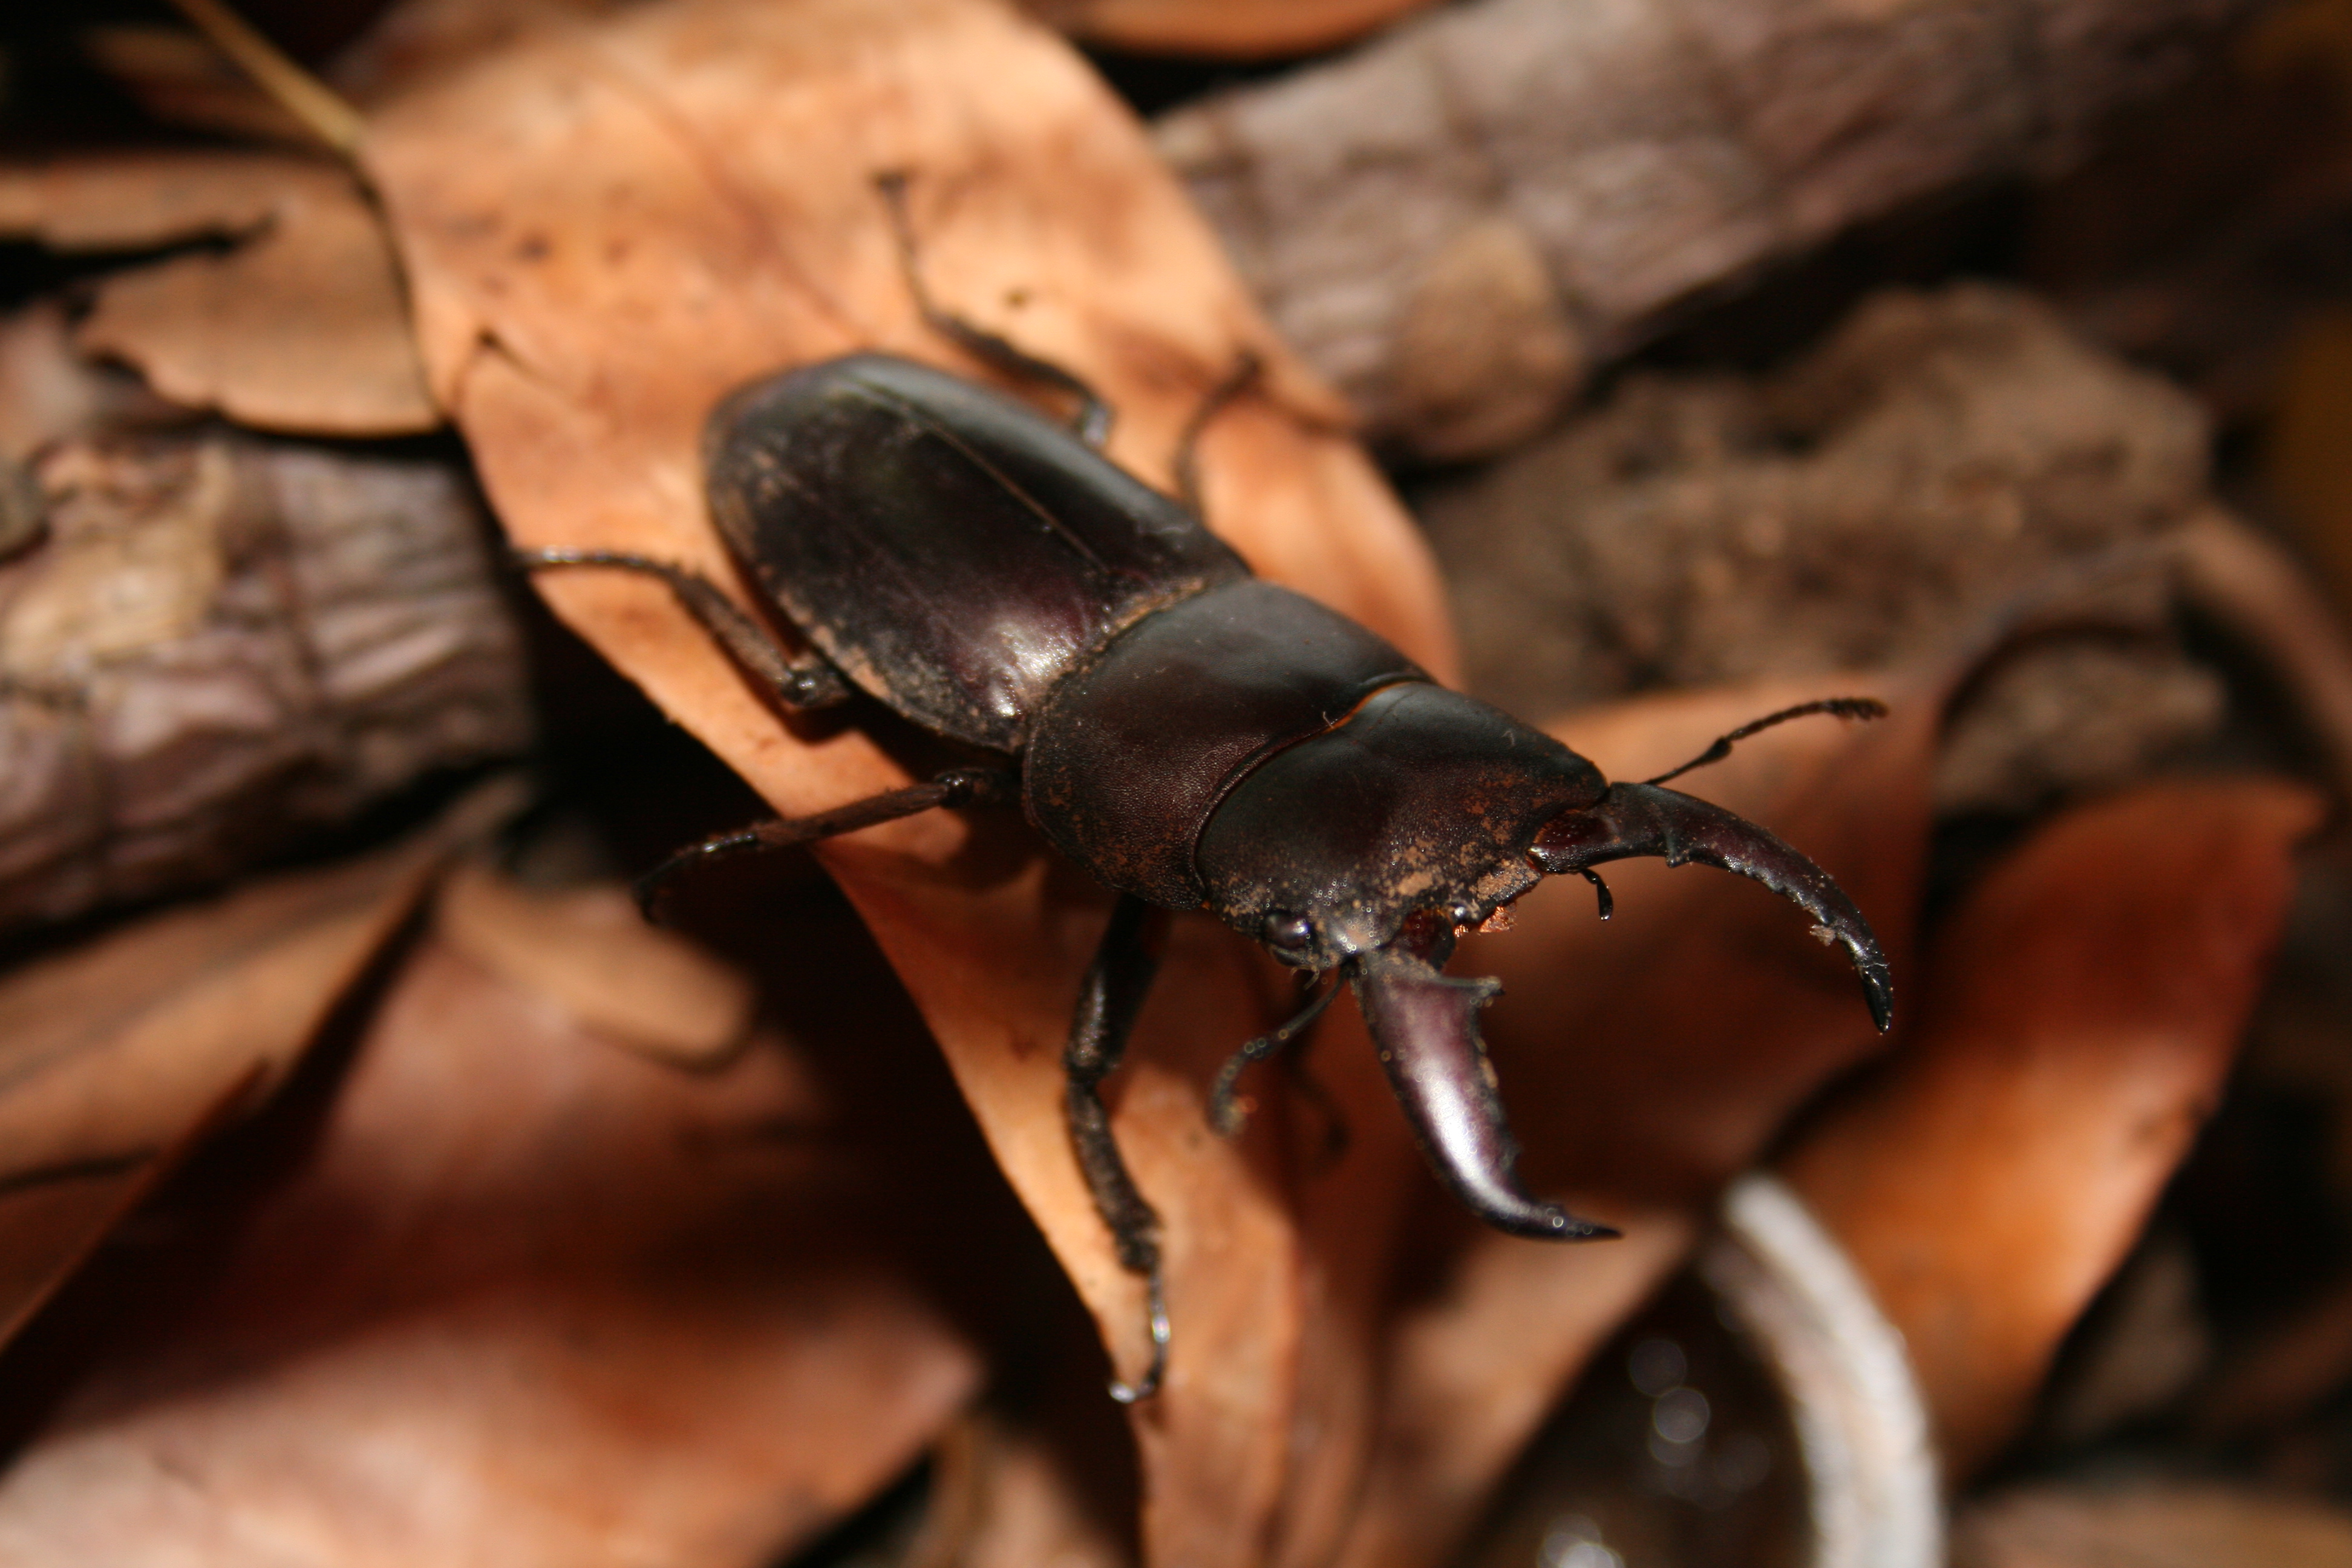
pixel 1091 423
pixel 1187 465
pixel 1108 1002
pixel 800 684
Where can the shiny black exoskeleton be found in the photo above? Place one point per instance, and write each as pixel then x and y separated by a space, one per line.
pixel 1196 738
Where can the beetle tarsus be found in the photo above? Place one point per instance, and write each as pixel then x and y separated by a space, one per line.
pixel 1116 983
pixel 1600 888
pixel 1090 424
pixel 1840 707
pixel 1156 1316
pixel 1225 1114
pixel 1425 1026
pixel 1641 820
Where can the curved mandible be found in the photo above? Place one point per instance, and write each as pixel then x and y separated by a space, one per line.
pixel 1426 1028
pixel 1638 820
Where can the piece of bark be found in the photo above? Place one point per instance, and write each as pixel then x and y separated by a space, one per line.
pixel 2077 1016
pixel 1939 460
pixel 298 325
pixel 119 1057
pixel 225 644
pixel 1558 179
pixel 50 392
pixel 1221 30
pixel 523 1299
pixel 609 224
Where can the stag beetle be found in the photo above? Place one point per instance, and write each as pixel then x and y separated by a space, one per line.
pixel 1195 737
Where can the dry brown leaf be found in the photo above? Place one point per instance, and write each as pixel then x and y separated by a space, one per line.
pixel 1228 29
pixel 1645 1062
pixel 610 224
pixel 590 950
pixel 117 1056
pixel 524 1300
pixel 297 326
pixel 2076 1020
pixel 1000 1499
pixel 2195 1525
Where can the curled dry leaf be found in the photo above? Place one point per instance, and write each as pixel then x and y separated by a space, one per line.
pixel 116 1058
pixel 590 950
pixel 1225 29
pixel 608 225
pixel 1645 1062
pixel 298 325
pixel 2075 1019
pixel 523 1299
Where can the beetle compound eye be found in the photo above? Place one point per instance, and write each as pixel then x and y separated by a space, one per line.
pixel 1289 933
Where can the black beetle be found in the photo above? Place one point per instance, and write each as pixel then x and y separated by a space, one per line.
pixel 1195 737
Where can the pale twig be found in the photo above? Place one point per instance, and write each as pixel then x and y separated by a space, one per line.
pixel 318 106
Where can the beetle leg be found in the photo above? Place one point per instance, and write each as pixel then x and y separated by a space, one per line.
pixel 1224 1113
pixel 1091 423
pixel 1108 1002
pixel 1426 1028
pixel 957 787
pixel 799 684
pixel 1637 820
pixel 1187 465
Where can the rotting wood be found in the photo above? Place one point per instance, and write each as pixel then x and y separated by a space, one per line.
pixel 225 643
pixel 1457 223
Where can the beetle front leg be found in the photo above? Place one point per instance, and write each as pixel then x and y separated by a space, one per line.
pixel 1116 985
pixel 800 684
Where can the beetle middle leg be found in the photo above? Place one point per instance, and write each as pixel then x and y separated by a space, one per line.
pixel 1092 421
pixel 957 787
pixel 1108 1002
pixel 800 684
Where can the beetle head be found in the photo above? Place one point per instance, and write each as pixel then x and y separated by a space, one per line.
pixel 1421 800
pixel 1368 847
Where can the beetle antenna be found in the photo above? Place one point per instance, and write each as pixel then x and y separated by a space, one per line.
pixel 1843 707
pixel 1225 1114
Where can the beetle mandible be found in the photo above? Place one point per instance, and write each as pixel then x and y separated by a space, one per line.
pixel 1195 737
